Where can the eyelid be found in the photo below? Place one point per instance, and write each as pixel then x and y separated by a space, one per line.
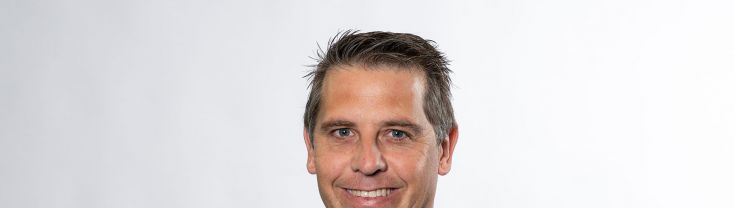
pixel 334 132
pixel 406 133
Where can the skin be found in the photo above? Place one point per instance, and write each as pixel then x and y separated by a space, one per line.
pixel 372 133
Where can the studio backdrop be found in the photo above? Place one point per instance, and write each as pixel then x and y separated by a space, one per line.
pixel 560 104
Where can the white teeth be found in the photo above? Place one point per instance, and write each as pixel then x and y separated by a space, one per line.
pixel 373 193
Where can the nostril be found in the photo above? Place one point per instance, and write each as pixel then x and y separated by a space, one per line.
pixel 368 160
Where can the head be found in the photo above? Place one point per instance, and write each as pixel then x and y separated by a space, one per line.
pixel 379 126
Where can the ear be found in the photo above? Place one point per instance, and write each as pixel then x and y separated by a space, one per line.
pixel 446 151
pixel 310 165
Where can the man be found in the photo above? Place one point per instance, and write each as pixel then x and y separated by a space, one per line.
pixel 379 126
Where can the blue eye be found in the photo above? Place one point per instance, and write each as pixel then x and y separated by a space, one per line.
pixel 343 132
pixel 397 134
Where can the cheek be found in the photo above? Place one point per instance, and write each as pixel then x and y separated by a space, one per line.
pixel 329 167
pixel 413 165
pixel 330 164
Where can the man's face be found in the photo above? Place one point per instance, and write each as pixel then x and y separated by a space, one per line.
pixel 373 145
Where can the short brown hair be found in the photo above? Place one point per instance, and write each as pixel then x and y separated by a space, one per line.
pixel 387 48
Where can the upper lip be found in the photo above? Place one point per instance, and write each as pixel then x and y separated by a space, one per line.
pixel 367 189
pixel 368 184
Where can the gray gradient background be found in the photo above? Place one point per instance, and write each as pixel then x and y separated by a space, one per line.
pixel 149 103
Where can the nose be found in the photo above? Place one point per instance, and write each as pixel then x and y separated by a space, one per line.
pixel 367 158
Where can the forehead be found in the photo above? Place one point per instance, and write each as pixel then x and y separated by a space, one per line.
pixel 357 90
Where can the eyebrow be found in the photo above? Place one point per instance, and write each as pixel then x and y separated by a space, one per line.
pixel 406 124
pixel 328 125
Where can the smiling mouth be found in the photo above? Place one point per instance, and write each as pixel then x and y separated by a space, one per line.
pixel 370 194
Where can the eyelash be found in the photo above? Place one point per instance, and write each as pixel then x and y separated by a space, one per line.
pixel 406 135
pixel 336 133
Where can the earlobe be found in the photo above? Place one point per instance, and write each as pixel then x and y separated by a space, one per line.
pixel 447 149
pixel 310 164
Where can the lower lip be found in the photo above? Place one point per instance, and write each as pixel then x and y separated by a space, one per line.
pixel 370 201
